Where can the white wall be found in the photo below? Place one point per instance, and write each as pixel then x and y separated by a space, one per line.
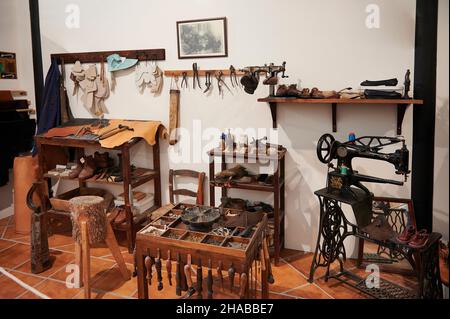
pixel 440 201
pixel 325 44
pixel 15 36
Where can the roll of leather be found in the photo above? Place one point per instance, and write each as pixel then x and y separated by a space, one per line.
pixel 25 173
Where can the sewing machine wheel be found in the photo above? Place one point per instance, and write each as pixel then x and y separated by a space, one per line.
pixel 325 147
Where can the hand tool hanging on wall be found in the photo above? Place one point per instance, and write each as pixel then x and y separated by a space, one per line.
pixel 208 81
pixel 219 274
pixel 188 274
pixel 209 281
pixel 231 274
pixel 195 76
pixel 221 83
pixel 199 279
pixel 233 77
pixel 178 276
pixel 169 268
pixel 184 80
pixel 174 108
pixel 158 267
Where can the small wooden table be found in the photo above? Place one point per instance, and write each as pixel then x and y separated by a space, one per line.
pixel 248 258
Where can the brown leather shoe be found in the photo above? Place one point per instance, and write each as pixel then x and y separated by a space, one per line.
pixel 273 80
pixel 76 171
pixel 292 91
pixel 305 94
pixel 316 94
pixel 102 160
pixel 282 90
pixel 88 168
pixel 406 235
pixel 420 239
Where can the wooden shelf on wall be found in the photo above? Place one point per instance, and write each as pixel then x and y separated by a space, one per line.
pixel 401 104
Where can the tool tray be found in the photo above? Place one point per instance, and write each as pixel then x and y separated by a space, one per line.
pixel 235 221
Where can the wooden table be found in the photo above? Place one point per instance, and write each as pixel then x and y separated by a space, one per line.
pixel 249 263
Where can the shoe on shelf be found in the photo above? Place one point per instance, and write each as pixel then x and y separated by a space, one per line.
pixel 88 168
pixel 76 171
pixel 281 91
pixel 292 91
pixel 420 239
pixel 102 160
pixel 305 94
pixel 406 235
pixel 317 94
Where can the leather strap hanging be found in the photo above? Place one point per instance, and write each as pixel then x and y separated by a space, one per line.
pixel 174 108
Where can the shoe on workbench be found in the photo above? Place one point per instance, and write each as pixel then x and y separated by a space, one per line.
pixel 88 168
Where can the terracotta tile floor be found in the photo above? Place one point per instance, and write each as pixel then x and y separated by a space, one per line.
pixel 290 275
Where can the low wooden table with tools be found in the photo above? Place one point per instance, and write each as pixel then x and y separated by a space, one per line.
pixel 235 244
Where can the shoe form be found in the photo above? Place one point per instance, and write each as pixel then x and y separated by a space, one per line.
pixel 156 83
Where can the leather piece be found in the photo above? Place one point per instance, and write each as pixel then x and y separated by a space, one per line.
pixel 377 94
pixel 63 131
pixel 388 82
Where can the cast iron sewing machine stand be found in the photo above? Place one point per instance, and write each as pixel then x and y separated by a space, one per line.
pixel 334 228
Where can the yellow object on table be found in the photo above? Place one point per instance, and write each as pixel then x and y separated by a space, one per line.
pixel 144 129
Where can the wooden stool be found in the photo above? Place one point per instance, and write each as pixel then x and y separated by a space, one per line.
pixel 90 227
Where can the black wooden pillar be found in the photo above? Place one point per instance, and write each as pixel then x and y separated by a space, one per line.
pixel 37 54
pixel 424 115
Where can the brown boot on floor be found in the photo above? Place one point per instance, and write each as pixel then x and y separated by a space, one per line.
pixel 88 168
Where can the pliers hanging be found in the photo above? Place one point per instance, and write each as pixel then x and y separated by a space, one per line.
pixel 184 81
pixel 208 81
pixel 233 77
pixel 221 82
pixel 195 75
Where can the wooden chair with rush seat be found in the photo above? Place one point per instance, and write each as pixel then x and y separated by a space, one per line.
pixel 200 176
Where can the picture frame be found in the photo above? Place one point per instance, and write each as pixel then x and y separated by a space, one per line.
pixel 8 65
pixel 202 38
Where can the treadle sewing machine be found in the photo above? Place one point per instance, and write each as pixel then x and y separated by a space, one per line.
pixel 344 186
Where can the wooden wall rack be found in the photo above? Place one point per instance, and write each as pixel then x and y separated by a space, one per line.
pixel 98 56
pixel 179 73
pixel 402 105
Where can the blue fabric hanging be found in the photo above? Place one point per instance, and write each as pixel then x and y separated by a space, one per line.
pixel 50 114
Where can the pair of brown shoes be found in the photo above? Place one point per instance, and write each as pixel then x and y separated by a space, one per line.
pixel 288 91
pixel 87 165
pixel 412 237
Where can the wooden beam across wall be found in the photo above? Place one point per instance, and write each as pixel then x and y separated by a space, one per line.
pixel 99 56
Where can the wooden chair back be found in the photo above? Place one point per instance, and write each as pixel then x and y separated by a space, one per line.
pixel 200 176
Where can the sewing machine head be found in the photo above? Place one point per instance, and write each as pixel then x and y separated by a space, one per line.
pixel 341 177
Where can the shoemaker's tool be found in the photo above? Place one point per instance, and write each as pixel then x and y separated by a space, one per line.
pixel 174 109
pixel 243 285
pixel 231 273
pixel 208 81
pixel 158 267
pixel 270 278
pixel 188 274
pixel 199 279
pixel 341 178
pixel 169 268
pixel 270 70
pixel 209 281
pixel 195 76
pixel 233 77
pixel 178 276
pixel 221 82
pixel 219 274
pixel 184 80
pixel 115 131
pixel 148 266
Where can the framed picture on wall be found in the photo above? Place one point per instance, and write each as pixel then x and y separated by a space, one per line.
pixel 8 67
pixel 204 38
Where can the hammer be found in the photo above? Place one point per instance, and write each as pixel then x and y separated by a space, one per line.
pixel 115 131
